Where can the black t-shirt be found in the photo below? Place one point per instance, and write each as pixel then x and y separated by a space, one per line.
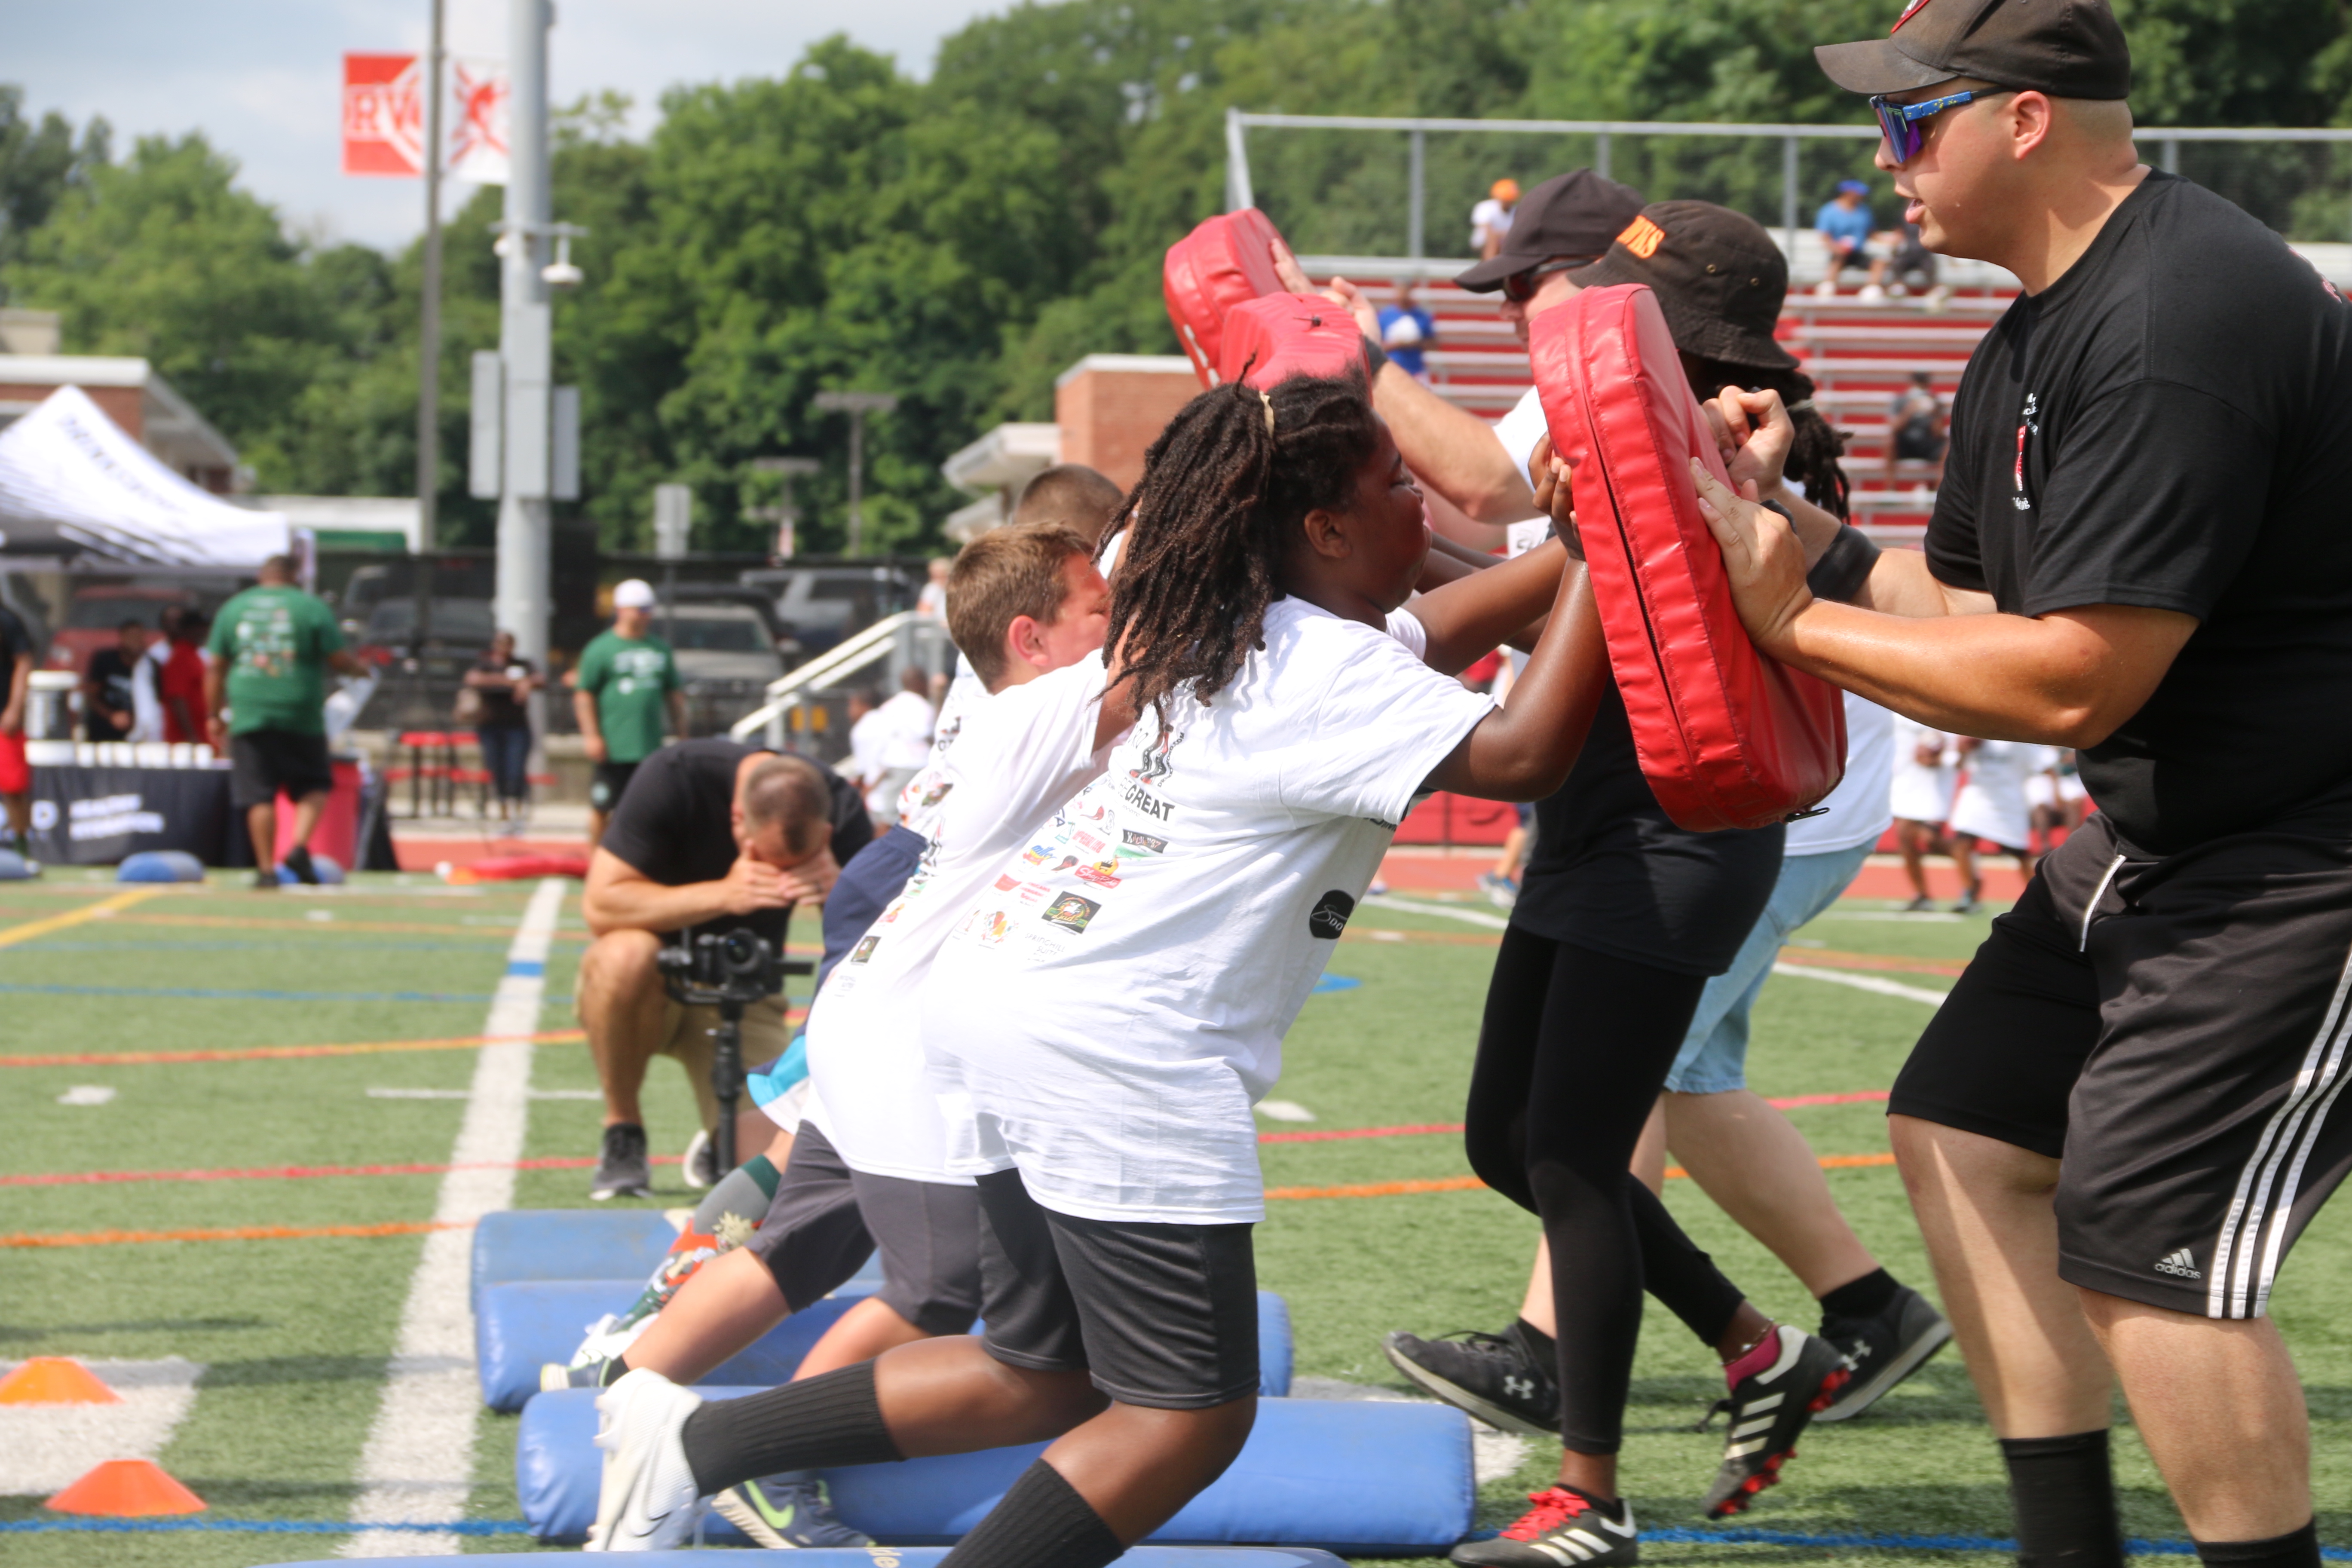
pixel 14 641
pixel 112 675
pixel 1610 871
pixel 2169 425
pixel 674 825
pixel 500 709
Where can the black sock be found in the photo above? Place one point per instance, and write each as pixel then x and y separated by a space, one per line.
pixel 1041 1522
pixel 1538 1345
pixel 1613 1507
pixel 1864 1297
pixel 2063 1489
pixel 832 1418
pixel 2295 1549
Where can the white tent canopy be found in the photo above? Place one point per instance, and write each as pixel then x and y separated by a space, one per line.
pixel 75 486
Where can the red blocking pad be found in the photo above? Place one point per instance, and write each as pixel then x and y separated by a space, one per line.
pixel 1727 737
pixel 1225 261
pixel 1270 340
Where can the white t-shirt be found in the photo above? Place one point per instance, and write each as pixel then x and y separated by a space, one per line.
pixel 1116 1002
pixel 908 723
pixel 1858 809
pixel 1920 792
pixel 919 803
pixel 865 749
pixel 1991 803
pixel 1488 218
pixel 1019 755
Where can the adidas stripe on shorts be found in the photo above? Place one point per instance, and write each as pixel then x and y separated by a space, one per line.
pixel 2177 1031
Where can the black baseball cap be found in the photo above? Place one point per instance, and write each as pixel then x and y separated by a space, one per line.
pixel 1575 214
pixel 2067 48
pixel 1718 277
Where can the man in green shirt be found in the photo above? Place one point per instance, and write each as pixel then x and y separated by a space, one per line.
pixel 626 679
pixel 265 697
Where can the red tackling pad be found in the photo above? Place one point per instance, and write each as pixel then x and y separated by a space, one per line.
pixel 1727 737
pixel 1219 265
pixel 1272 339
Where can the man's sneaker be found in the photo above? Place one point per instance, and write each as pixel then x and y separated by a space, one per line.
pixel 298 860
pixel 1921 905
pixel 1769 1410
pixel 1501 891
pixel 1495 1377
pixel 701 1166
pixel 648 1500
pixel 266 881
pixel 780 1513
pixel 1968 901
pixel 1564 1530
pixel 621 1168
pixel 1882 1350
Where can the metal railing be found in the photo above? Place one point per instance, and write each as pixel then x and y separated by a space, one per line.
pixel 904 639
pixel 1239 193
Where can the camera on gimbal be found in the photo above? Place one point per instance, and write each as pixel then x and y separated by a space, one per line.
pixel 718 967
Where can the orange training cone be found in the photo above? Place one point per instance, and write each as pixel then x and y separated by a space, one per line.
pixel 55 1380
pixel 126 1488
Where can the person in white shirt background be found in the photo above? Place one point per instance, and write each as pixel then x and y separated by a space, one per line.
pixel 932 602
pixel 1991 805
pixel 1490 220
pixel 905 725
pixel 1921 796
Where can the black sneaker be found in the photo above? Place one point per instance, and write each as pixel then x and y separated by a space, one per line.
pixel 1884 1350
pixel 1921 905
pixel 1768 1411
pixel 621 1169
pixel 780 1514
pixel 1564 1529
pixel 1968 901
pixel 1495 1377
pixel 266 881
pixel 298 860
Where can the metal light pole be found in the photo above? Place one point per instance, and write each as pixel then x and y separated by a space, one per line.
pixel 525 329
pixel 786 469
pixel 858 405
pixel 428 353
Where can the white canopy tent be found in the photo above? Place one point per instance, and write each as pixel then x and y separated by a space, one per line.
pixel 76 490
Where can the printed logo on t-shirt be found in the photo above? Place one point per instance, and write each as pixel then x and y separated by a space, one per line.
pixel 1330 916
pixel 1143 800
pixel 1130 842
pixel 865 950
pixel 1102 874
pixel 2026 425
pixel 1071 912
pixel 1156 764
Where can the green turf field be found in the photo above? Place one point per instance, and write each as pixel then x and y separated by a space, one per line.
pixel 294 1333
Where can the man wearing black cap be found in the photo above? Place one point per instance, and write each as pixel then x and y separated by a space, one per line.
pixel 2139 550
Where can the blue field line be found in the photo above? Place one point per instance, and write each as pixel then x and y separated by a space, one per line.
pixel 525 968
pixel 1338 983
pixel 205 994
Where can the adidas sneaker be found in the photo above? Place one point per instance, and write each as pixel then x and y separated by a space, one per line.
pixel 1564 1530
pixel 1768 1411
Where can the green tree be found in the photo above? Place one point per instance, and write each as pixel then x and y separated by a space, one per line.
pixel 39 164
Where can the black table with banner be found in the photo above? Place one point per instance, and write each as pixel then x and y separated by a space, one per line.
pixel 89 816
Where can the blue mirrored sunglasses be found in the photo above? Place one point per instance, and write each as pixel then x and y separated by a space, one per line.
pixel 1906 124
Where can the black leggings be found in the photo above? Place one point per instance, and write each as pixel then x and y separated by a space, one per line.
pixel 1572 1054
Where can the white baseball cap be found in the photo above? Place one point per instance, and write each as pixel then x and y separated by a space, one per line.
pixel 637 594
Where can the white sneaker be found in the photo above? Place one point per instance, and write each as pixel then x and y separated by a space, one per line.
pixel 699 1168
pixel 1825 289
pixel 1872 294
pixel 648 1501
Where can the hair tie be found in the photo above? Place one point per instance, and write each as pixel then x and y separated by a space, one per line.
pixel 1262 397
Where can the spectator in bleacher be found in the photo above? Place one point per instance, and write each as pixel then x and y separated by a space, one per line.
pixel 1845 225
pixel 1918 427
pixel 1407 332
pixel 1490 220
pixel 501 682
pixel 1912 265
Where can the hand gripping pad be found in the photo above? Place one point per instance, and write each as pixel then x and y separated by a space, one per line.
pixel 1272 339
pixel 1727 737
pixel 1208 272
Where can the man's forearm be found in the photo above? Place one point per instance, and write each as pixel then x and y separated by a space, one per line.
pixel 636 903
pixel 583 708
pixel 1453 451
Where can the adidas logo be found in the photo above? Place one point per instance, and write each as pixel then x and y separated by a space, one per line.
pixel 2179 1263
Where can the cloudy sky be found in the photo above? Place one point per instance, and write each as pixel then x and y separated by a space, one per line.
pixel 262 78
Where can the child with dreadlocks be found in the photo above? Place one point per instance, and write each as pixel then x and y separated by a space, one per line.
pixel 1106 1013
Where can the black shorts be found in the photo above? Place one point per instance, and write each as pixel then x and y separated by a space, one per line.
pixel 263 761
pixel 608 783
pixel 1918 441
pixel 1164 1316
pixel 826 1220
pixel 2175 1030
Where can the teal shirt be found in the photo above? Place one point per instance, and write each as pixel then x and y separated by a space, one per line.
pixel 631 680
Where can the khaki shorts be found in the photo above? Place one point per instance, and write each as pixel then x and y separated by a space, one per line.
pixel 686 1036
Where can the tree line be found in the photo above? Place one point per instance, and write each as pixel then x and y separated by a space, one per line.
pixel 960 240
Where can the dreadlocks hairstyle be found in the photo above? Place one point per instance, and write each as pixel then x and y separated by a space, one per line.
pixel 1229 482
pixel 1813 457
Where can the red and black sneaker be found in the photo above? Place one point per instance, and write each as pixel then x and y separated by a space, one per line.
pixel 1769 1410
pixel 1565 1529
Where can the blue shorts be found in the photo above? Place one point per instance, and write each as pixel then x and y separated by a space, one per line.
pixel 1714 1057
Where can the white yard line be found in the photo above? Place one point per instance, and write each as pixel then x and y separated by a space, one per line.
pixel 1451 912
pixel 418 1465
pixel 1863 982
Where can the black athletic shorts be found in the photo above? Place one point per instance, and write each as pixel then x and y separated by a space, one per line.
pixel 1164 1316
pixel 2174 1030
pixel 263 761
pixel 826 1220
pixel 608 783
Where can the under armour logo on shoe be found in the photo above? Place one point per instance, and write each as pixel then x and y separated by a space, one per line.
pixel 1519 1387
pixel 2181 1263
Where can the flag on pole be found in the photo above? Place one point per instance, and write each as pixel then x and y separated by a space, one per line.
pixel 384 117
pixel 478 120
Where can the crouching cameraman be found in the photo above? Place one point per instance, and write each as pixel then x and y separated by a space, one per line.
pixel 710 837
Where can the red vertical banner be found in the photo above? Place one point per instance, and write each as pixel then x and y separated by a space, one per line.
pixel 384 115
